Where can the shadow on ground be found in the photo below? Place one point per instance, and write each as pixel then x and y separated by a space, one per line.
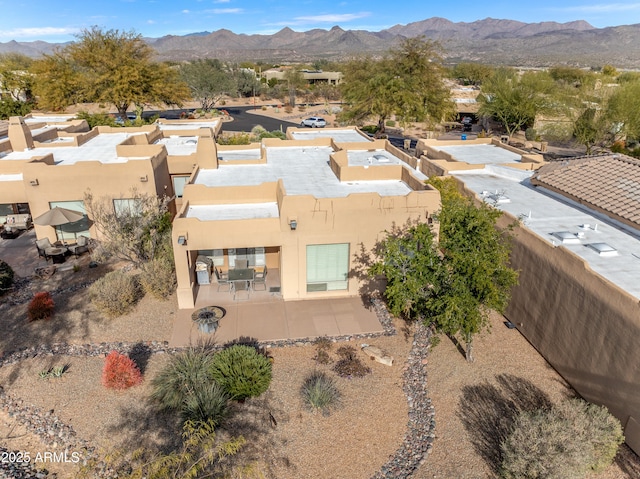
pixel 488 412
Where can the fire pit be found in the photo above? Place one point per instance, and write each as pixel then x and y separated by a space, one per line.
pixel 207 318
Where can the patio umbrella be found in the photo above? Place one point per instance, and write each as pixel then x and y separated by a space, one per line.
pixel 58 216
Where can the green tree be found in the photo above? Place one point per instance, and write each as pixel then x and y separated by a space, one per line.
pixel 624 109
pixel 246 83
pixel 454 285
pixel 591 128
pixel 294 81
pixel 16 81
pixel 10 107
pixel 515 100
pixel 407 83
pixel 472 73
pixel 107 67
pixel 208 80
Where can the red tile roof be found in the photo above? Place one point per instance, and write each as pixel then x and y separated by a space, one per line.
pixel 607 183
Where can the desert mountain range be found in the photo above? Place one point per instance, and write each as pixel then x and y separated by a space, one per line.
pixel 492 41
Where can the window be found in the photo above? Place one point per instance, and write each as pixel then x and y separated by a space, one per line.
pixel 71 231
pixel 178 185
pixel 5 209
pixel 327 267
pixel 127 207
pixel 254 256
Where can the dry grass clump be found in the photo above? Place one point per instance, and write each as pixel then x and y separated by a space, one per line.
pixel 115 293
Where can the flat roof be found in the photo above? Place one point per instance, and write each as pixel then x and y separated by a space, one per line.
pixel 179 145
pixel 101 148
pixel 13 177
pixel 555 219
pixel 346 135
pixel 190 125
pixel 480 154
pixel 304 171
pixel 238 155
pixel 50 119
pixel 233 211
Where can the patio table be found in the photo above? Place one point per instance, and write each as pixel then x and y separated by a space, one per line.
pixel 57 254
pixel 236 275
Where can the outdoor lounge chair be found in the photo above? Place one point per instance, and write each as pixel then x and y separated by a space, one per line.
pixel 42 245
pixel 241 290
pixel 81 246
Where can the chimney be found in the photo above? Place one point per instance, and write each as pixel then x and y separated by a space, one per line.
pixel 19 134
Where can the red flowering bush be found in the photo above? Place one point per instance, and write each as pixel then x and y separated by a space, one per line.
pixel 120 372
pixel 41 306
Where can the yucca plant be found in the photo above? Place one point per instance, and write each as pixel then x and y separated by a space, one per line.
pixel 207 402
pixel 185 373
pixel 242 371
pixel 319 391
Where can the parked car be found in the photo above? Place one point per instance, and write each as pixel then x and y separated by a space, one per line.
pixel 314 122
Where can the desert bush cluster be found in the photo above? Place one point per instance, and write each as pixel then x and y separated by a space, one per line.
pixel 200 382
pixel 6 277
pixel 120 372
pixel 567 441
pixel 115 293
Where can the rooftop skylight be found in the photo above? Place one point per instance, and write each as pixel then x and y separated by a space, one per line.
pixel 566 237
pixel 603 249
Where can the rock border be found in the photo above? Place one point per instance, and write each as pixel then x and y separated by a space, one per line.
pixel 417 442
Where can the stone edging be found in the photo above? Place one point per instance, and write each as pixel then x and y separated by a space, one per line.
pixel 417 442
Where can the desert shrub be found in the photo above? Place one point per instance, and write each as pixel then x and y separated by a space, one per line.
pixel 288 109
pixel 370 129
pixel 234 139
pixel 158 278
pixel 6 277
pixel 242 371
pixel 530 134
pixel 184 373
pixel 319 391
pixel 390 123
pixel 323 346
pixel 41 306
pixel 208 401
pixel 115 293
pixel 349 365
pixel 120 372
pixel 564 442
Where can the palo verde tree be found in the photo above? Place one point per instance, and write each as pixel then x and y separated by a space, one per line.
pixel 107 67
pixel 407 83
pixel 455 284
pixel 515 100
pixel 208 80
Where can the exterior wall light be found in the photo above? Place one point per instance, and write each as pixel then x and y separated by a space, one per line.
pixel 144 179
pixel 293 224
pixel 34 182
pixel 182 240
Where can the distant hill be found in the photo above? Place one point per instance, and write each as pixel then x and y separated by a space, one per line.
pixel 494 41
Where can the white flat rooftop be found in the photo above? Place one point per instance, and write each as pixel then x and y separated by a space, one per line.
pixel 179 145
pixel 480 154
pixel 50 119
pixel 242 211
pixel 238 155
pixel 564 224
pixel 348 135
pixel 304 171
pixel 13 177
pixel 102 148
pixel 373 158
pixel 192 125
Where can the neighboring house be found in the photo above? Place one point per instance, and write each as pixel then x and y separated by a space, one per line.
pixel 47 162
pixel 577 247
pixel 311 76
pixel 302 208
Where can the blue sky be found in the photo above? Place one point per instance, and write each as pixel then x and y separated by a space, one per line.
pixel 59 21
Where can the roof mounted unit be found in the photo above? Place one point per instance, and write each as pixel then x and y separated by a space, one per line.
pixel 603 249
pixel 566 237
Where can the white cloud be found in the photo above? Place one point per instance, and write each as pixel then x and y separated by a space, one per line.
pixel 220 11
pixel 151 22
pixel 186 11
pixel 332 17
pixel 38 32
pixel 221 1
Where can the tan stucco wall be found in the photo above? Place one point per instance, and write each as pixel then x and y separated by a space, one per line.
pixel 359 219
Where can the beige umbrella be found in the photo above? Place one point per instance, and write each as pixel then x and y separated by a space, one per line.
pixel 58 216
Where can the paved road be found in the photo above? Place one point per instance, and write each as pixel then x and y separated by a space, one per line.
pixel 243 121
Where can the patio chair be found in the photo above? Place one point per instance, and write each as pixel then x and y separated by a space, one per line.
pixel 222 281
pixel 81 246
pixel 241 264
pixel 42 245
pixel 260 277
pixel 241 290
